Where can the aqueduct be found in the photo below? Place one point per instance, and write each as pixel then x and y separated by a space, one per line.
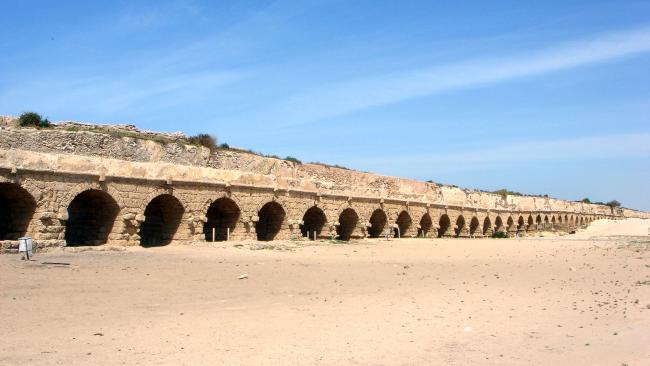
pixel 90 188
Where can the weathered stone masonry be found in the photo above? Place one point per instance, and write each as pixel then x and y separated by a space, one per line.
pixel 85 188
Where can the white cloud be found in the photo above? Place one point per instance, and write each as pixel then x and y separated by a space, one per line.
pixel 342 98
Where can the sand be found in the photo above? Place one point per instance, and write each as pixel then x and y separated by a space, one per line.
pixel 580 299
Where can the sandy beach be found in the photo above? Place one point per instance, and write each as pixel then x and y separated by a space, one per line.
pixel 580 299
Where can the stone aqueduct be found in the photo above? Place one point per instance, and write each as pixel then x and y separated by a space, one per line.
pixel 89 188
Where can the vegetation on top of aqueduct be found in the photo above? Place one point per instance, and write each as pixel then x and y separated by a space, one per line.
pixel 31 119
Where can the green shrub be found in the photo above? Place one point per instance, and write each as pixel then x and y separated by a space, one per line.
pixel 499 235
pixel 224 146
pixel 32 119
pixel 205 140
pixel 293 160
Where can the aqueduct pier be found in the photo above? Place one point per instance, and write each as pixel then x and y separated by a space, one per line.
pixel 68 187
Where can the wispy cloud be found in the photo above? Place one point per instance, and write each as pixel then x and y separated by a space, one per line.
pixel 350 96
pixel 530 152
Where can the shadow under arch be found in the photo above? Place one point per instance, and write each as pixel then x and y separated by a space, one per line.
pixel 17 207
pixel 91 216
pixel 313 222
pixel 222 218
pixel 162 217
pixel 348 220
pixel 271 219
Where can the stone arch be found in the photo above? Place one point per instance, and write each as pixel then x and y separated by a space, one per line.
pixel 538 220
pixel 498 224
pixel 521 224
pixel 474 225
pixel 313 221
pixel 91 216
pixel 73 193
pixel 460 225
pixel 546 219
pixel 162 217
pixel 271 219
pixel 559 219
pixel 404 223
pixel 425 225
pixel 17 207
pixel 444 223
pixel 348 221
pixel 378 220
pixel 510 223
pixel 222 217
pixel 487 225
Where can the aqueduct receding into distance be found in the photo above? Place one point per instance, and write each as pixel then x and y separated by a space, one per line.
pixel 89 188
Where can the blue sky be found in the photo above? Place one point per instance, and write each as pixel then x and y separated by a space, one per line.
pixel 548 97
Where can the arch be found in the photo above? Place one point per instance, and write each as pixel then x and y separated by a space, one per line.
pixel 487 225
pixel 521 224
pixel 566 218
pixel 546 219
pixel 271 218
pixel 378 221
pixel 162 216
pixel 222 216
pixel 404 223
pixel 460 225
pixel 538 219
pixel 444 223
pixel 553 221
pixel 313 221
pixel 91 216
pixel 425 225
pixel 498 223
pixel 17 208
pixel 559 219
pixel 510 223
pixel 348 221
pixel 473 225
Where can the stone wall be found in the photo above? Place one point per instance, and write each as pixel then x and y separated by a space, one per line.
pixel 143 184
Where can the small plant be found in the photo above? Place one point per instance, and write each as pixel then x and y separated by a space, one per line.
pixel 293 160
pixel 224 146
pixel 499 235
pixel 586 200
pixel 205 140
pixel 613 203
pixel 32 119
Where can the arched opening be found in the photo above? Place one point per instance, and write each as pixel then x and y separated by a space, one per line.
pixel 91 216
pixel 566 219
pixel 538 220
pixel 17 207
pixel 313 222
pixel 377 223
pixel 348 220
pixel 546 219
pixel 404 223
pixel 271 218
pixel 582 221
pixel 510 223
pixel 162 216
pixel 559 219
pixel 498 224
pixel 425 225
pixel 486 225
pixel 460 225
pixel 522 224
pixel 444 224
pixel 222 218
pixel 473 225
